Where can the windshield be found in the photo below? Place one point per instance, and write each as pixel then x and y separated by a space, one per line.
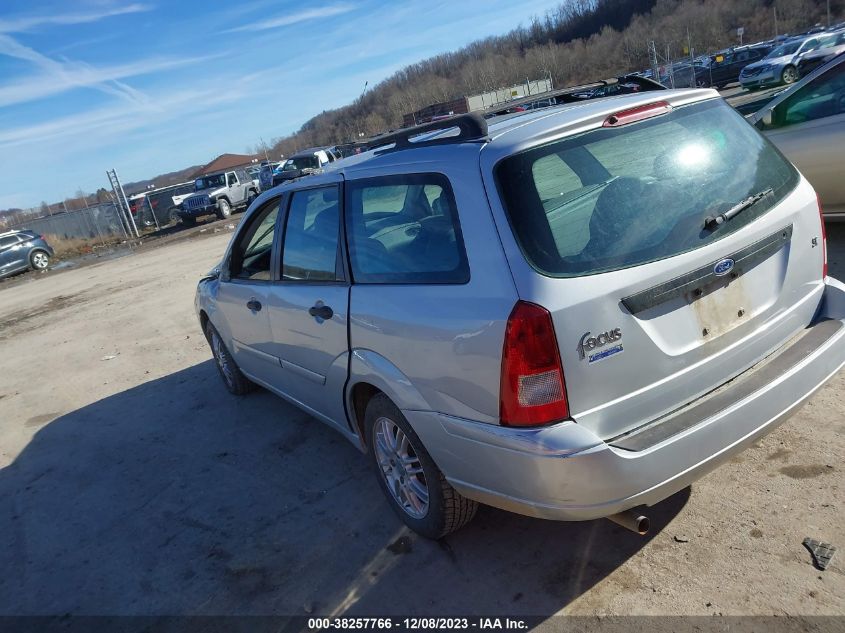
pixel 210 182
pixel 784 50
pixel 619 197
pixel 301 162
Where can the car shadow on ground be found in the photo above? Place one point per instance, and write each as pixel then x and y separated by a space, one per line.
pixel 175 498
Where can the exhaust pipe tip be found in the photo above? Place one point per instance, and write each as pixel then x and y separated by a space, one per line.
pixel 633 520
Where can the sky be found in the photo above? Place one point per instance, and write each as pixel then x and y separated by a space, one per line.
pixel 151 87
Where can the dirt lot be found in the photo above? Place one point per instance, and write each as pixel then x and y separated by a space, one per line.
pixel 132 483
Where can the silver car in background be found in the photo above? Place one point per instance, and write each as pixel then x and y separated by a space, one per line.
pixel 569 313
pixel 781 65
pixel 807 123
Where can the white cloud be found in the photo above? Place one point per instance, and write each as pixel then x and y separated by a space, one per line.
pixel 294 18
pixel 63 72
pixel 23 24
pixel 72 75
pixel 101 126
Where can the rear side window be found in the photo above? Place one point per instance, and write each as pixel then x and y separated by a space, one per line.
pixel 404 229
pixel 619 197
pixel 310 251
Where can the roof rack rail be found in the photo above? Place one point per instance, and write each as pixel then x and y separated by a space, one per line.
pixel 570 94
pixel 471 127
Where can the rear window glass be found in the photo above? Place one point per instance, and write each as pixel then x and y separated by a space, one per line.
pixel 618 197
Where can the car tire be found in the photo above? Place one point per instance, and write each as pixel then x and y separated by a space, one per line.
pixel 789 75
pixel 253 194
pixel 224 210
pixel 236 383
pixel 413 484
pixel 173 216
pixel 39 260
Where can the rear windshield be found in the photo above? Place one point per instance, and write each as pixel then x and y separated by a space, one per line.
pixel 618 197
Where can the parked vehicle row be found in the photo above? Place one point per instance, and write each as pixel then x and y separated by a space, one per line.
pixel 781 65
pixel 567 313
pixel 755 66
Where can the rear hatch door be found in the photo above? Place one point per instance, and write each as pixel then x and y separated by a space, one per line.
pixel 606 228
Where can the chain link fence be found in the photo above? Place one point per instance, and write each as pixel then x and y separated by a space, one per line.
pixel 99 223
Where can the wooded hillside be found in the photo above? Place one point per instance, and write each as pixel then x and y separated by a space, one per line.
pixel 580 41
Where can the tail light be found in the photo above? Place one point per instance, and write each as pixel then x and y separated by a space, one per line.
pixel 532 390
pixel 824 238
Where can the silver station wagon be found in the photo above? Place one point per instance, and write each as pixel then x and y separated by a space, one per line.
pixel 569 313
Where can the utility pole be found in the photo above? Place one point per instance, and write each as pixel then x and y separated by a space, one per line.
pixel 652 58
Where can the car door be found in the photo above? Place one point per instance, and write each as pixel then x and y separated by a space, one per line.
pixel 245 282
pixel 809 128
pixel 12 256
pixel 739 61
pixel 308 305
pixel 234 188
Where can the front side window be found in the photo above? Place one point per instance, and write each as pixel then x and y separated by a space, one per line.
pixel 618 197
pixel 252 254
pixel 231 180
pixel 823 97
pixel 10 240
pixel 404 229
pixel 310 251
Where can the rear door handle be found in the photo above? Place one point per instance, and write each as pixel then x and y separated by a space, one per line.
pixel 254 305
pixel 321 312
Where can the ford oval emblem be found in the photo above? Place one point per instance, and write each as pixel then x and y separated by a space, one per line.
pixel 723 267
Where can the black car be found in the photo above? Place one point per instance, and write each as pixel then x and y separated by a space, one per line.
pixel 725 66
pixel 22 250
pixel 808 62
pixel 302 163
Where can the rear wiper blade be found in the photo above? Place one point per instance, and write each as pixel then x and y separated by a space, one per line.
pixel 711 222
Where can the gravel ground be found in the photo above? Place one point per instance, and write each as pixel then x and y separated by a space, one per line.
pixel 132 483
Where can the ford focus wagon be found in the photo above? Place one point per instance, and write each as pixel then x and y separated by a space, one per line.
pixel 569 313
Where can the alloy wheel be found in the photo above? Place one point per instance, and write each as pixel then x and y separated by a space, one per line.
pixel 789 75
pixel 222 358
pixel 401 468
pixel 40 260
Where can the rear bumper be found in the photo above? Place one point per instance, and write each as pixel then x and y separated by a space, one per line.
pixel 566 472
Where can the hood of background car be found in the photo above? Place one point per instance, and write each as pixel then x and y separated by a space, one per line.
pixel 210 191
